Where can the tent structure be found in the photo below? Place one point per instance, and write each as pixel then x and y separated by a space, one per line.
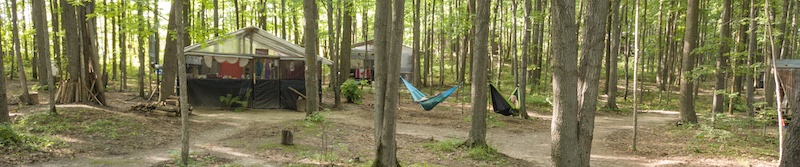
pixel 362 60
pixel 249 59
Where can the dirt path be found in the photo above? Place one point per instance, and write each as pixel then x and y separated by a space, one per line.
pixel 535 147
pixel 205 142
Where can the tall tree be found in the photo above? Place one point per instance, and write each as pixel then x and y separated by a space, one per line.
pixel 25 97
pixel 332 55
pixel 687 65
pixel 180 61
pixel 592 47
pixel 615 38
pixel 523 68
pixel 388 40
pixel 54 15
pixel 311 43
pixel 89 60
pixel 416 77
pixel 170 49
pixel 43 47
pixel 751 54
pixel 41 54
pixel 141 37
pixel 564 52
pixel 724 48
pixel 123 47
pixel 477 131
pixel 347 40
pixel 4 117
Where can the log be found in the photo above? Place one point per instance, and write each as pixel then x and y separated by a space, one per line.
pixel 286 138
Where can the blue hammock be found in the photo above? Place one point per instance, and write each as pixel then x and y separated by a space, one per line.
pixel 426 102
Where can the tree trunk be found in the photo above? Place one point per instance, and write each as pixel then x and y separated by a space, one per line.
pixel 90 57
pixel 477 131
pixel 687 65
pixel 123 46
pixel 538 48
pixel 591 54
pixel 388 40
pixel 114 47
pixel 415 77
pixel 523 68
pixel 4 117
pixel 332 55
pixel 347 40
pixel 42 43
pixel 615 38
pixel 564 130
pixel 312 89
pixel 216 19
pixel 724 48
pixel 43 47
pixel 54 15
pixel 72 42
pixel 170 60
pixel 141 36
pixel 25 97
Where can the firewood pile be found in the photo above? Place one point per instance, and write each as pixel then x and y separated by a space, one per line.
pixel 72 92
pixel 167 108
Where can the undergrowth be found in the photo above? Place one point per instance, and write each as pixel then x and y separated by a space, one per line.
pixel 729 137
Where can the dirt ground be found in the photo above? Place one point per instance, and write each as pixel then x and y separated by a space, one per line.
pixel 252 137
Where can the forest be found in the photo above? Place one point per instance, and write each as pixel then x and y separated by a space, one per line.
pixel 340 83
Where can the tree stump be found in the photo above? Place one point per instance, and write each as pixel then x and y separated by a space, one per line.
pixel 286 137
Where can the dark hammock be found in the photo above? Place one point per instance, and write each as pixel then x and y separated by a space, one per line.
pixel 426 102
pixel 502 105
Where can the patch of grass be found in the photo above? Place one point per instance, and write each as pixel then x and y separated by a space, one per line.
pixel 727 137
pixel 42 122
pixel 323 157
pixel 447 145
pixel 422 164
pixel 290 149
pixel 483 153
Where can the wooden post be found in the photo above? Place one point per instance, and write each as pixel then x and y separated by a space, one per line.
pixel 286 137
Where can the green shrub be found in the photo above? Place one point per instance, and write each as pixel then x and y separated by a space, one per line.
pixel 7 135
pixel 234 103
pixel 352 91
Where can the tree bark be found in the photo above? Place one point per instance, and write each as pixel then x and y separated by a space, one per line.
pixel 564 130
pixel 170 61
pixel 689 44
pixel 89 59
pixel 347 40
pixel 54 15
pixel 141 37
pixel 42 43
pixel 180 61
pixel 523 68
pixel 334 81
pixel 123 46
pixel 615 38
pixel 416 77
pixel 477 131
pixel 591 54
pixel 4 117
pixel 388 41
pixel 752 47
pixel 724 48
pixel 382 26
pixel 43 47
pixel 312 89
pixel 25 97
